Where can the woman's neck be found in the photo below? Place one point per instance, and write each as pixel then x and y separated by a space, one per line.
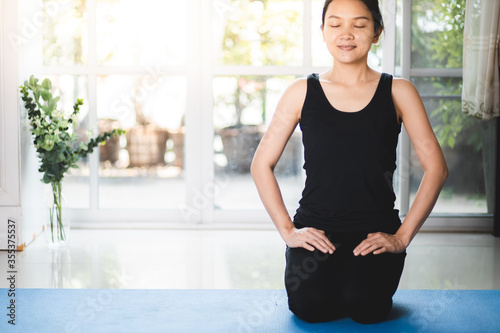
pixel 350 74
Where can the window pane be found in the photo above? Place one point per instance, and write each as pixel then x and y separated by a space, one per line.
pixel 320 55
pixel 244 106
pixel 65 32
pixel 145 33
pixel 259 33
pixel 462 140
pixel 76 182
pixel 399 36
pixel 143 169
pixel 437 33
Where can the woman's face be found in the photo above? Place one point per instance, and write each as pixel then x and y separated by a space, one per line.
pixel 348 31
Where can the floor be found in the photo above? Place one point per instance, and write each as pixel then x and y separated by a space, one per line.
pixel 229 259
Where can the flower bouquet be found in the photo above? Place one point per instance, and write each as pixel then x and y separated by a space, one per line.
pixel 55 141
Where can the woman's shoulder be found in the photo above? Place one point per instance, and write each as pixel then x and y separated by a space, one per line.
pixel 402 86
pixel 296 89
pixel 403 91
pixel 293 98
pixel 405 96
pixel 299 84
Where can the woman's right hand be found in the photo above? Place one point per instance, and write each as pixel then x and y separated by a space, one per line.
pixel 309 239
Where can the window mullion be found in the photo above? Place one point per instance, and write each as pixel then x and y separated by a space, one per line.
pixel 92 95
pixel 208 184
pixel 404 152
pixel 389 44
pixel 194 201
pixel 307 33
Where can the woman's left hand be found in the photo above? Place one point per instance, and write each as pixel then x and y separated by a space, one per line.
pixel 380 242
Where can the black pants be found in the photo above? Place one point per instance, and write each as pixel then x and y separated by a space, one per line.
pixel 323 287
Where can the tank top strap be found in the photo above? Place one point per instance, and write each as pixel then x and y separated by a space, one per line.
pixel 314 95
pixel 386 85
pixel 313 80
pixel 385 97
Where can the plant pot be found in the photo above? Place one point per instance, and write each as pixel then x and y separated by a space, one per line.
pixel 177 137
pixel 239 146
pixel 111 150
pixel 57 228
pixel 146 146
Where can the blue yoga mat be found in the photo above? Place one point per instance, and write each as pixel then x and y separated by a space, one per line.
pixel 125 310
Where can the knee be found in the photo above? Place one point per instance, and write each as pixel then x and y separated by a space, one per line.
pixel 304 307
pixel 307 314
pixel 369 310
pixel 316 310
pixel 318 314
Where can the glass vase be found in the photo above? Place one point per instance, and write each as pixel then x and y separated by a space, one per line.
pixel 58 228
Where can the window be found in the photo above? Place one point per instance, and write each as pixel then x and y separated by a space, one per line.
pixel 253 41
pixel 261 47
pixel 131 78
pixel 195 84
pixel 436 61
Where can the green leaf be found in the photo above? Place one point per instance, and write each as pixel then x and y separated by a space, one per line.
pixel 46 178
pixel 33 81
pixel 52 104
pixel 46 84
pixel 46 95
pixel 83 146
pixel 61 157
pixel 451 141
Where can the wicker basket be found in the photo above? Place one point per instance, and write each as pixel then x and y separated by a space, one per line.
pixel 111 150
pixel 146 146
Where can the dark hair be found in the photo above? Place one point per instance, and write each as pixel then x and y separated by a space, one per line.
pixel 372 6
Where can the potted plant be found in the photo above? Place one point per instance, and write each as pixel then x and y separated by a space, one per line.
pixel 55 140
pixel 240 140
pixel 146 142
pixel 111 150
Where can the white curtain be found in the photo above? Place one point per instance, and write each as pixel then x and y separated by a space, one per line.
pixel 481 83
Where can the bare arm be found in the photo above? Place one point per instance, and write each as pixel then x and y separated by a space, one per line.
pixel 429 154
pixel 266 157
pixel 409 105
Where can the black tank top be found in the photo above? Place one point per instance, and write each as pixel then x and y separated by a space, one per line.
pixel 350 158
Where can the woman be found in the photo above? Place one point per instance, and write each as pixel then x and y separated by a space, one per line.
pixel 346 245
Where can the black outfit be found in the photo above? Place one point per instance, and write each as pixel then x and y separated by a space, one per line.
pixel 350 158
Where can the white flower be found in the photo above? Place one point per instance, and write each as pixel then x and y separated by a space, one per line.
pixel 57 114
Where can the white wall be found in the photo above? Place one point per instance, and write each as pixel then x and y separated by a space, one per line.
pixel 9 125
pixel 21 192
pixel 34 210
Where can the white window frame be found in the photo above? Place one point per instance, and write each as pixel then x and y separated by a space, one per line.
pixel 199 168
pixel 441 222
